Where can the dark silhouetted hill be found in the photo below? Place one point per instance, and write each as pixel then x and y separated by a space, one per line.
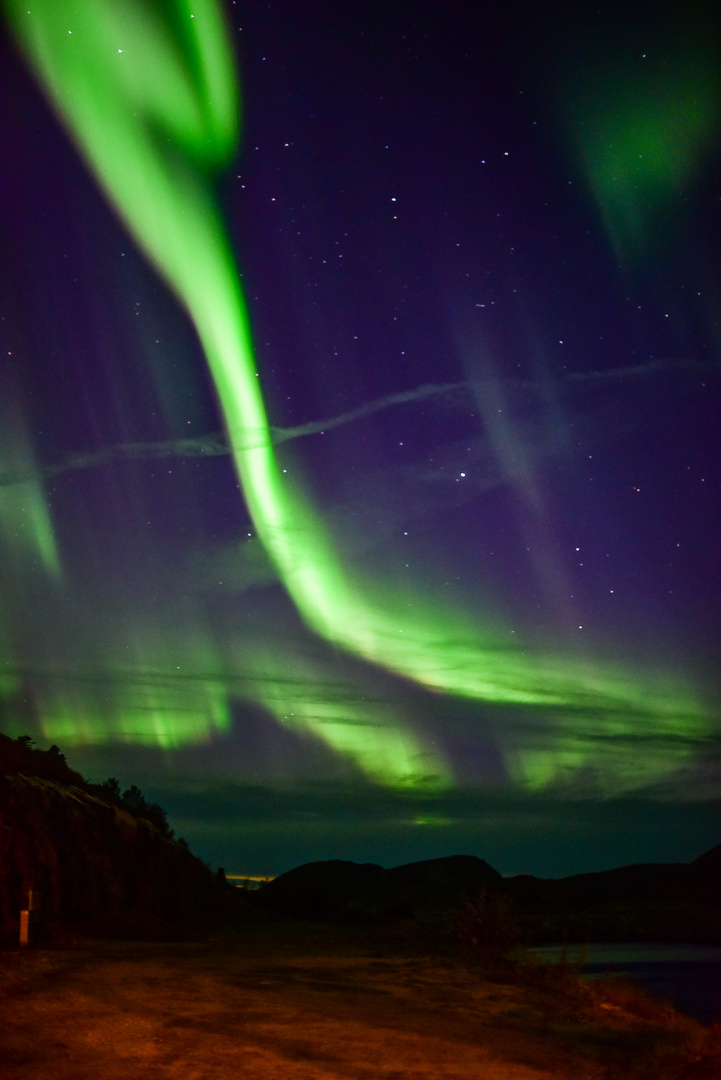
pixel 644 902
pixel 93 861
pixel 347 890
pixel 648 902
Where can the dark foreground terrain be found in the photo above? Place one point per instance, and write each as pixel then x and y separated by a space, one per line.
pixel 283 999
pixel 146 964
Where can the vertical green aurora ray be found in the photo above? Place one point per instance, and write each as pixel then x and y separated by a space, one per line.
pixel 149 92
pixel 644 123
pixel 27 535
pixel 29 555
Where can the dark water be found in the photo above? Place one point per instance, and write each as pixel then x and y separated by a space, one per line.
pixel 689 976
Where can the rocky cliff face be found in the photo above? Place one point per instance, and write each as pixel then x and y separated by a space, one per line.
pixel 91 863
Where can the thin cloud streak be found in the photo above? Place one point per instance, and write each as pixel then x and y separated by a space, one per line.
pixel 215 444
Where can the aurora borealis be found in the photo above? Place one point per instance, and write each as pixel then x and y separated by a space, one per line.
pixel 364 453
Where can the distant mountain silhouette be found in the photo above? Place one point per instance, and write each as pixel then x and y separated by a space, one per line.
pixel 108 861
pixel 645 902
pixel 340 889
pixel 708 866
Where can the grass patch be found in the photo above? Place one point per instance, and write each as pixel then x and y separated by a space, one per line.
pixel 616 1022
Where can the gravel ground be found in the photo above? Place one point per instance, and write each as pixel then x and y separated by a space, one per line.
pixel 280 1001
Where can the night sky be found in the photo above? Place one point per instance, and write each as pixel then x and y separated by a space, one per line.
pixel 429 562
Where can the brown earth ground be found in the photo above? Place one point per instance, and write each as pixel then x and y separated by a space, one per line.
pixel 311 1002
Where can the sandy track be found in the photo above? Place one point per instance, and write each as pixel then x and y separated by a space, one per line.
pixel 275 1004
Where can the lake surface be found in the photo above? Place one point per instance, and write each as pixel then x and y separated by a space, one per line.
pixel 689 976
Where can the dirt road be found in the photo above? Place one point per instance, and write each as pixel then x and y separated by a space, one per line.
pixel 289 1003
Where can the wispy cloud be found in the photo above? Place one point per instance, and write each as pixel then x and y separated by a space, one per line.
pixel 460 395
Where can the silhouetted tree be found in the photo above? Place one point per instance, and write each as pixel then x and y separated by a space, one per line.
pixel 134 798
pixel 111 789
pixel 22 756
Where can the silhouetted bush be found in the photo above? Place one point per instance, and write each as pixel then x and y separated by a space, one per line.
pixel 485 924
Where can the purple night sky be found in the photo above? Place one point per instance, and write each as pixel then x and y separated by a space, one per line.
pixel 480 250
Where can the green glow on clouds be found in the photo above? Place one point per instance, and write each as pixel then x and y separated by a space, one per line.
pixel 644 125
pixel 142 707
pixel 149 94
pixel 150 680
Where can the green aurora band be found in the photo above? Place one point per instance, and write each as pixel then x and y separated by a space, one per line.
pixel 149 93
